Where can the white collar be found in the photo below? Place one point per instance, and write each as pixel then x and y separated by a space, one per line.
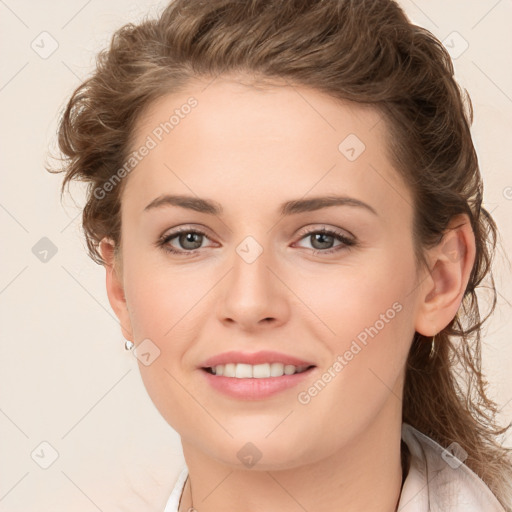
pixel 438 482
pixel 431 485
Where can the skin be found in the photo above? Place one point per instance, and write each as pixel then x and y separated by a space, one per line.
pixel 250 150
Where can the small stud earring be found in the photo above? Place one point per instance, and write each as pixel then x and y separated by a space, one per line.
pixel 128 345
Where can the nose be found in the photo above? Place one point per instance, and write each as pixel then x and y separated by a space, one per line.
pixel 254 295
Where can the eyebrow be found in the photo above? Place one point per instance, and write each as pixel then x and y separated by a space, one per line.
pixel 288 208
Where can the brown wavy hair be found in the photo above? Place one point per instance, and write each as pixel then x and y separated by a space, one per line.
pixel 364 51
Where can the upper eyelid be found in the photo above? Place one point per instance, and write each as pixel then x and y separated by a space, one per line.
pixel 302 232
pixel 186 229
pixel 338 231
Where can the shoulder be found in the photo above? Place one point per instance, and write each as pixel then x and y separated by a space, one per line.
pixel 439 481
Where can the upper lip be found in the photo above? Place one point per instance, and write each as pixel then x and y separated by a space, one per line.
pixel 265 356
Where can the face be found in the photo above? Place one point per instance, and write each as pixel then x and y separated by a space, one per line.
pixel 258 274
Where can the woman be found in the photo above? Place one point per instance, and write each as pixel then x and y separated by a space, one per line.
pixel 288 205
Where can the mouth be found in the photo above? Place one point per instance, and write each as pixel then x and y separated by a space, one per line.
pixel 255 382
pixel 257 371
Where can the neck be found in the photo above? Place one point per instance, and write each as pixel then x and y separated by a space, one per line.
pixel 365 474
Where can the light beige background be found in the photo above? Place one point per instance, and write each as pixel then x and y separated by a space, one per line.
pixel 65 376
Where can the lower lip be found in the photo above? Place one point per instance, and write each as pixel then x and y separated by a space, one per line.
pixel 254 389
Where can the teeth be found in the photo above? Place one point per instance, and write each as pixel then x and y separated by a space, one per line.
pixel 257 371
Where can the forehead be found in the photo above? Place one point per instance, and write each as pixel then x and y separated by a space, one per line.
pixel 255 146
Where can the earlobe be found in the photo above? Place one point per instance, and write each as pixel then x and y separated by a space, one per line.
pixel 451 264
pixel 115 289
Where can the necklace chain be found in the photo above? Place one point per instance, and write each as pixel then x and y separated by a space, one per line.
pixel 191 509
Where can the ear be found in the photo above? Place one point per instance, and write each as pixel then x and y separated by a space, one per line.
pixel 450 265
pixel 115 290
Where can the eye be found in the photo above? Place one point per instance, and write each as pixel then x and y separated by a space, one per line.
pixel 322 240
pixel 189 239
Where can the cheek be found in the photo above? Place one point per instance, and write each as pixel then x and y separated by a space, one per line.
pixel 369 313
pixel 168 308
pixel 160 300
pixel 376 346
pixel 347 299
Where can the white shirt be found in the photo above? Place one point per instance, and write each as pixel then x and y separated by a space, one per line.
pixel 436 481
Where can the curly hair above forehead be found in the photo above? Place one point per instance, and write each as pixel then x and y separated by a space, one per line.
pixel 363 51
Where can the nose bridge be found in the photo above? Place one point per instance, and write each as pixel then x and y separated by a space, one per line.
pixel 252 291
pixel 250 276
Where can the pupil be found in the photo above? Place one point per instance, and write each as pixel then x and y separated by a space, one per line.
pixel 321 235
pixel 189 237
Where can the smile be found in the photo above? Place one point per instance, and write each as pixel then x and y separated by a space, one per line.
pixel 257 371
pixel 248 382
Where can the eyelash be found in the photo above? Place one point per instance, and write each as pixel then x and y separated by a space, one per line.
pixel 347 243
